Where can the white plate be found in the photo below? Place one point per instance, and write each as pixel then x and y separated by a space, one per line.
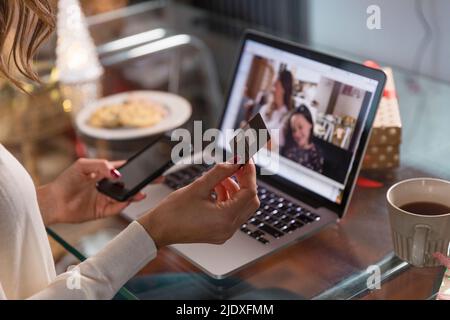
pixel 178 112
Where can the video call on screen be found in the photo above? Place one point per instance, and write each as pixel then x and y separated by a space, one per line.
pixel 319 110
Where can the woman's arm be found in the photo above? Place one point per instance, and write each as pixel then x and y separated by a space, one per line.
pixel 46 205
pixel 102 275
pixel 188 215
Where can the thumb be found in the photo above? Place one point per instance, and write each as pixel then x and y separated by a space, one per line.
pixel 114 208
pixel 214 176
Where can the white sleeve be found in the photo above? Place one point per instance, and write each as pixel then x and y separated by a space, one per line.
pixel 2 293
pixel 102 275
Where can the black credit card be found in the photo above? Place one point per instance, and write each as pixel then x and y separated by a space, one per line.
pixel 250 139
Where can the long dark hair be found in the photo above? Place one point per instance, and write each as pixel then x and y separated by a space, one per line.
pixel 289 139
pixel 287 82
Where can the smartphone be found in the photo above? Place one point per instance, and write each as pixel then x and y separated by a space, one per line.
pixel 141 169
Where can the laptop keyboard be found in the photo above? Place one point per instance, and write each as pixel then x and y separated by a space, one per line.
pixel 275 217
pixel 185 176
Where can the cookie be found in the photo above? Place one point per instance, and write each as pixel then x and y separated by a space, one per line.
pixel 131 113
pixel 140 114
pixel 106 117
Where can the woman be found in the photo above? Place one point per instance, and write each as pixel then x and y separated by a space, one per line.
pixel 275 112
pixel 299 146
pixel 26 265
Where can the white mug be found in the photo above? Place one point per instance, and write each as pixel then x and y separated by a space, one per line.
pixel 416 237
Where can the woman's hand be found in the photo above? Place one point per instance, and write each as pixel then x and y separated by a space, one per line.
pixel 73 196
pixel 192 215
pixel 445 261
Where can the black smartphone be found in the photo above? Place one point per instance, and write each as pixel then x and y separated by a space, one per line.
pixel 141 169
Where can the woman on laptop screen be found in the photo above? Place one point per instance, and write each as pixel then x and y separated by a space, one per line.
pixel 299 145
pixel 275 112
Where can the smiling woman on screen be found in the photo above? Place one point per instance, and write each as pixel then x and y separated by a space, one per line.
pixel 299 145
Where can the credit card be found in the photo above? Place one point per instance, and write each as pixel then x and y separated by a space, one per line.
pixel 250 139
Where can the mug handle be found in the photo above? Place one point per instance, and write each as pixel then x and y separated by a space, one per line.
pixel 419 243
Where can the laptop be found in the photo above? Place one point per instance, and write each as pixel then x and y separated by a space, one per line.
pixel 323 108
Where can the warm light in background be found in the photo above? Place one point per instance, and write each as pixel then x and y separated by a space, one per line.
pixel 76 56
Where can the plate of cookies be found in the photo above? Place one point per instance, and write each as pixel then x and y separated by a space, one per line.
pixel 132 115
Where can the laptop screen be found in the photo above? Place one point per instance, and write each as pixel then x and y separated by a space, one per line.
pixel 319 110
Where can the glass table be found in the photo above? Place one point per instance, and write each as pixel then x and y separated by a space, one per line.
pixel 335 263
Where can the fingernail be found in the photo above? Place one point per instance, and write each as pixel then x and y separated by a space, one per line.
pixel 115 173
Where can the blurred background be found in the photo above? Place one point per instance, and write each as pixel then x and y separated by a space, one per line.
pixel 413 35
pixel 188 47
